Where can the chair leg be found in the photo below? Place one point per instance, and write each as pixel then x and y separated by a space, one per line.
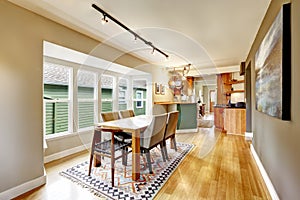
pixel 166 150
pixel 174 141
pixel 112 171
pixel 124 156
pixel 149 161
pixel 163 151
pixel 112 159
pixel 91 162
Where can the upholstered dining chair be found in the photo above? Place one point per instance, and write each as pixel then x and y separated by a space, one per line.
pixel 126 113
pixel 153 136
pixel 171 130
pixel 107 148
pixel 110 116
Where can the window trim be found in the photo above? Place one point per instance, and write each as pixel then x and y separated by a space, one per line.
pixel 139 100
pixel 88 100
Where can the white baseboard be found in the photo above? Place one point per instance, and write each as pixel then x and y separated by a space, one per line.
pixel 248 135
pixel 65 153
pixel 195 130
pixel 23 188
pixel 264 174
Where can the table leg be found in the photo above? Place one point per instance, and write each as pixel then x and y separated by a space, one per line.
pixel 136 155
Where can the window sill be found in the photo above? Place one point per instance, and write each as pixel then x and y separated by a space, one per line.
pixel 58 136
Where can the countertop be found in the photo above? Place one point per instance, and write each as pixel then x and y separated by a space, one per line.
pixel 228 107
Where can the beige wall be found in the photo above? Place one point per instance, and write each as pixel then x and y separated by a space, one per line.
pixel 276 141
pixel 21 86
pixel 159 74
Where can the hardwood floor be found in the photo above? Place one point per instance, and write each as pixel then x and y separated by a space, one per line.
pixel 219 167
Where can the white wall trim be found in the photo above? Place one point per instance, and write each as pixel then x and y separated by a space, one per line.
pixel 264 174
pixel 23 188
pixel 65 153
pixel 248 135
pixel 194 130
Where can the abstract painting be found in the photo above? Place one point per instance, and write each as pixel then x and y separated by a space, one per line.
pixel 273 68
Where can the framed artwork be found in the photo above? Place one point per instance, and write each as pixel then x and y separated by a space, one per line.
pixel 162 89
pixel 273 68
pixel 157 88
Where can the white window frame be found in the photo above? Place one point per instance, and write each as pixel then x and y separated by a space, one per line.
pixel 123 98
pixel 113 92
pixel 94 100
pixel 148 108
pixel 69 101
pixel 139 100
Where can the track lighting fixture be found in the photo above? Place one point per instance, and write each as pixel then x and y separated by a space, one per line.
pixel 136 36
pixel 104 20
pixel 135 39
pixel 186 69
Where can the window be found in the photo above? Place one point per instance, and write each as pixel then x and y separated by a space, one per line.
pixel 107 93
pixel 86 98
pixel 140 95
pixel 69 106
pixel 123 99
pixel 56 98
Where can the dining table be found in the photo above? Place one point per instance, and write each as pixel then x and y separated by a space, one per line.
pixel 132 125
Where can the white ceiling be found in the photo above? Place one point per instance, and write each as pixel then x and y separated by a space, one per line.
pixel 206 33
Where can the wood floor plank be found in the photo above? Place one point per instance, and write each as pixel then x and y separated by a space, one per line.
pixel 219 167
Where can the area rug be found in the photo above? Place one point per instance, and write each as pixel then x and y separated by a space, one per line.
pixel 99 182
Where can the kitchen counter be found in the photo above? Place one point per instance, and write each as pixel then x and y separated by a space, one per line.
pixel 235 120
pixel 230 120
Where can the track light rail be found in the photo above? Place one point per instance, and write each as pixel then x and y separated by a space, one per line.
pixel 136 36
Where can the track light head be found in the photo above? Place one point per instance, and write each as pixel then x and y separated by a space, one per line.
pixel 104 20
pixel 153 50
pixel 135 38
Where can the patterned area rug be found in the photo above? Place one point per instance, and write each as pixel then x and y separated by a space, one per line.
pixel 99 182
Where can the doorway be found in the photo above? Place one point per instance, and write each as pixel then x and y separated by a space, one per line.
pixel 212 100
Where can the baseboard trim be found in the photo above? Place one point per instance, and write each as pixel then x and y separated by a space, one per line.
pixel 248 136
pixel 264 174
pixel 23 188
pixel 195 130
pixel 65 153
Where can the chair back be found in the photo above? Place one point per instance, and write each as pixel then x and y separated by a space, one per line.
pixel 126 113
pixel 154 133
pixel 110 116
pixel 172 124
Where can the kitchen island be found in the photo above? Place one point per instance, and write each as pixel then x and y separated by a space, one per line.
pixel 187 121
pixel 230 120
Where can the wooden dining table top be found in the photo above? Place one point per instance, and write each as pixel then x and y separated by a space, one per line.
pixel 129 124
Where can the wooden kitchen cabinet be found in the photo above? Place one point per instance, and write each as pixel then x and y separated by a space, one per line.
pixel 219 118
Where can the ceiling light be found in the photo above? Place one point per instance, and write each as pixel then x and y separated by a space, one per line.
pixel 153 50
pixel 186 69
pixel 106 15
pixel 135 39
pixel 104 20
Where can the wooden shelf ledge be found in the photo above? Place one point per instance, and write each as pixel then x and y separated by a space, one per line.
pixel 234 82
